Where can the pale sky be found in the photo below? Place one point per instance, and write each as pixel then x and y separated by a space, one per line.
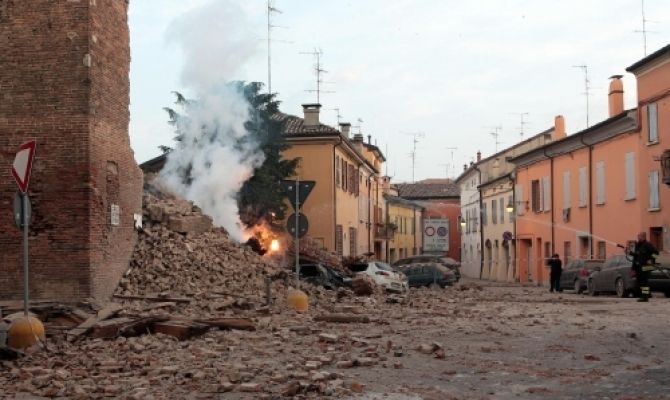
pixel 450 70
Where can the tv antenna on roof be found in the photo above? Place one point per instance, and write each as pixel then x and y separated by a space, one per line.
pixel 339 116
pixel 523 122
pixel 319 71
pixel 415 140
pixel 271 9
pixel 496 135
pixel 644 30
pixel 587 88
pixel 452 157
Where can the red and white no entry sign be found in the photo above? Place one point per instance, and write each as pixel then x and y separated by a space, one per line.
pixel 23 164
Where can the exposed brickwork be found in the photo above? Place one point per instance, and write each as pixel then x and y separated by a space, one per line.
pixel 64 81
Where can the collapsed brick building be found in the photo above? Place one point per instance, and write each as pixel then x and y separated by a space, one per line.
pixel 64 81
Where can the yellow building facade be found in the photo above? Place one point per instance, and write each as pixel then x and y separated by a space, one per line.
pixel 405 217
pixel 341 207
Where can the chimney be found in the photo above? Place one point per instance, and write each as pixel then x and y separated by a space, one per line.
pixel 465 167
pixel 616 95
pixel 479 156
pixel 311 114
pixel 559 127
pixel 369 139
pixel 358 138
pixel 345 128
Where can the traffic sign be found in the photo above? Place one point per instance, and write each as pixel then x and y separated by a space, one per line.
pixel 304 190
pixel 303 225
pixel 18 210
pixel 23 164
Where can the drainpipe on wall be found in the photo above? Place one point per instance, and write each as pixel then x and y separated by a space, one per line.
pixel 590 147
pixel 481 223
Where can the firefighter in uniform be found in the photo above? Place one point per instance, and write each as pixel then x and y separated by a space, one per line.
pixel 644 260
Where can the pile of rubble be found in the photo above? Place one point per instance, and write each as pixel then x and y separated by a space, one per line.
pixel 188 281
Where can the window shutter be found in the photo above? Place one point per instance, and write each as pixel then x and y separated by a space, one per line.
pixel 344 175
pixel 583 187
pixel 546 194
pixel 630 176
pixel 654 198
pixel 502 210
pixel 520 203
pixel 600 182
pixel 566 190
pixel 494 211
pixel 338 178
pixel 352 178
pixel 652 122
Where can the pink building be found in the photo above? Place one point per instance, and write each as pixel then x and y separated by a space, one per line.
pixel 582 195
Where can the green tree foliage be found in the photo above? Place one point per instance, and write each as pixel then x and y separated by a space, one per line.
pixel 261 197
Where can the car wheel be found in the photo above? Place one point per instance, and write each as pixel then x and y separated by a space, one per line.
pixel 620 289
pixel 591 287
pixel 578 286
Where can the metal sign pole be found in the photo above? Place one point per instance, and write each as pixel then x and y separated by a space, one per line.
pixel 297 245
pixel 24 208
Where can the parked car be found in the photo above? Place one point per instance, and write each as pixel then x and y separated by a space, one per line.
pixel 617 271
pixel 659 279
pixel 428 273
pixel 448 262
pixel 322 275
pixel 576 274
pixel 615 276
pixel 382 274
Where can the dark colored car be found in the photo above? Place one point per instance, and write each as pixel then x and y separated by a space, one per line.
pixel 576 274
pixel 322 275
pixel 448 262
pixel 615 276
pixel 426 274
pixel 659 279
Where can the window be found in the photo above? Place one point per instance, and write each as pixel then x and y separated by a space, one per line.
pixel 510 200
pixel 536 206
pixel 566 190
pixel 652 122
pixel 352 242
pixel 630 176
pixel 654 198
pixel 338 169
pixel 546 194
pixel 547 250
pixel 600 182
pixel 339 241
pixel 494 211
pixel 602 246
pixel 520 205
pixel 344 174
pixel 567 252
pixel 502 210
pixel 583 187
pixel 484 215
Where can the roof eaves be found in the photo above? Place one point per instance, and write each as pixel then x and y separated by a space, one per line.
pixel 648 59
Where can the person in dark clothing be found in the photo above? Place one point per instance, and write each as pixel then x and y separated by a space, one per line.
pixel 644 259
pixel 556 269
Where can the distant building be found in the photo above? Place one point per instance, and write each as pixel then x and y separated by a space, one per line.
pixel 441 202
pixel 404 217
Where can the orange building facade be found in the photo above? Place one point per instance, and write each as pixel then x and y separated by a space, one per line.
pixel 582 195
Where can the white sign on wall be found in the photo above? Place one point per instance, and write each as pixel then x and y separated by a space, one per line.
pixel 436 235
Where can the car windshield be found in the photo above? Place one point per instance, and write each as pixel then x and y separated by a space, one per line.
pixel 358 267
pixel 383 266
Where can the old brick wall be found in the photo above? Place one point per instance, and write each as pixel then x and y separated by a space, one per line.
pixel 64 82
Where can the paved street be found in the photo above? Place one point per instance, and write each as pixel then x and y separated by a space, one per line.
pixel 490 341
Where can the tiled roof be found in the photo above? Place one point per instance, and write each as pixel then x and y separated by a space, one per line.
pixel 427 190
pixel 399 200
pixel 295 126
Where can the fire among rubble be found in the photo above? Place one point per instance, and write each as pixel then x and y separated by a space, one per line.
pixel 267 240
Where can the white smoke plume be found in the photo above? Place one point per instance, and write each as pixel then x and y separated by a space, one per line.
pixel 216 42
